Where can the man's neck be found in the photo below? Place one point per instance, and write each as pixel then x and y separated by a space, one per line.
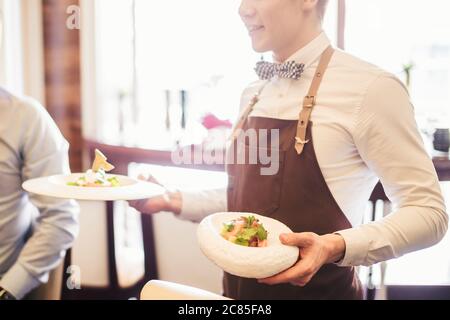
pixel 303 39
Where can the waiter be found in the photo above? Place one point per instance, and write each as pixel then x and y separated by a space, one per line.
pixel 343 125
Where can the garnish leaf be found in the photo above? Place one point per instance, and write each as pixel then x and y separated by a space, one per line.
pixel 261 232
pixel 229 226
pixel 242 242
pixel 250 221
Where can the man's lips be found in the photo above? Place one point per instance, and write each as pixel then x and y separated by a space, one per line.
pixel 254 28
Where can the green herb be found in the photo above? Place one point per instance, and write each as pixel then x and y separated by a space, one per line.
pixel 114 181
pixel 261 232
pixel 241 241
pixel 247 234
pixel 72 184
pixel 250 234
pixel 229 226
pixel 101 174
pixel 250 221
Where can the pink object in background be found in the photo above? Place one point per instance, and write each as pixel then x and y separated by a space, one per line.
pixel 210 121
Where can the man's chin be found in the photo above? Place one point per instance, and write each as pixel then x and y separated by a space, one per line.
pixel 260 48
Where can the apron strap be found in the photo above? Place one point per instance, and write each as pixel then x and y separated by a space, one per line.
pixel 245 113
pixel 310 100
pixel 243 116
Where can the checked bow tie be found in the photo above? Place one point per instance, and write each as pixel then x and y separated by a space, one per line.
pixel 290 69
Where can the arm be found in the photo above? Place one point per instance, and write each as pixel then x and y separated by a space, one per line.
pixel 44 152
pixel 198 205
pixel 389 142
pixel 192 206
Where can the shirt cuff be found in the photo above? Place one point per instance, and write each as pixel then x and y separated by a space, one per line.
pixel 19 282
pixel 190 207
pixel 356 247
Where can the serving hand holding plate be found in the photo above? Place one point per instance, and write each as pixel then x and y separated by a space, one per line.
pixel 315 251
pixel 246 244
pixel 253 246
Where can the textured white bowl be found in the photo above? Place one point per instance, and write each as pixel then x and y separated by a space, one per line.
pixel 247 262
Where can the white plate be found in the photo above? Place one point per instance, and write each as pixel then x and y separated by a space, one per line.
pixel 247 262
pixel 56 186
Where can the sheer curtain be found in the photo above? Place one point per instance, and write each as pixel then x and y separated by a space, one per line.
pixel 21 48
pixel 11 64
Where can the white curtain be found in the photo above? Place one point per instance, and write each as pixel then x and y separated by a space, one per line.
pixel 21 47
pixel 11 52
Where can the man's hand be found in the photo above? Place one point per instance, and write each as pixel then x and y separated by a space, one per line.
pixel 171 201
pixel 315 251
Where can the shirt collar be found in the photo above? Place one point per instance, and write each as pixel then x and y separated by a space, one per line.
pixel 309 53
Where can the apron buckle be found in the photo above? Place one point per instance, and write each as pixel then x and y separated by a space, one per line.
pixel 309 101
pixel 299 140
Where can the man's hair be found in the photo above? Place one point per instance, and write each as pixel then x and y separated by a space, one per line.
pixel 321 8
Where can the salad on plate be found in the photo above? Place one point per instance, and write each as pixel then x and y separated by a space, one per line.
pixel 245 231
pixel 96 176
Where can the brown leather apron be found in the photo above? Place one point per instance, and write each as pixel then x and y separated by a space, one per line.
pixel 297 195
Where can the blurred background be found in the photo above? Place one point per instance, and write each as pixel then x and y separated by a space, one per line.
pixel 138 79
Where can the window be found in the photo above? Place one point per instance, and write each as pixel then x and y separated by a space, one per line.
pixel 151 56
pixel 21 48
pixel 10 46
pixel 406 34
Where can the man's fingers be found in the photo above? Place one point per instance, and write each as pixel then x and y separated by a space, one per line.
pixel 137 204
pixel 143 177
pixel 149 178
pixel 299 270
pixel 303 271
pixel 297 239
pixel 302 281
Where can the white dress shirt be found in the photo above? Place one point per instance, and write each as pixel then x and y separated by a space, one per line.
pixel 363 130
pixel 35 231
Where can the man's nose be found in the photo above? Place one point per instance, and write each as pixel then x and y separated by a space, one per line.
pixel 246 9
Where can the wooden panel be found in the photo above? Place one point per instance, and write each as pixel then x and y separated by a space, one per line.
pixel 62 74
pixel 122 156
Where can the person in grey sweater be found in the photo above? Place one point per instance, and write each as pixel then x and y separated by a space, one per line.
pixel 35 231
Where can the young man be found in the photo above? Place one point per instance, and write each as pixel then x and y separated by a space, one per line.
pixel 344 124
pixel 35 231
